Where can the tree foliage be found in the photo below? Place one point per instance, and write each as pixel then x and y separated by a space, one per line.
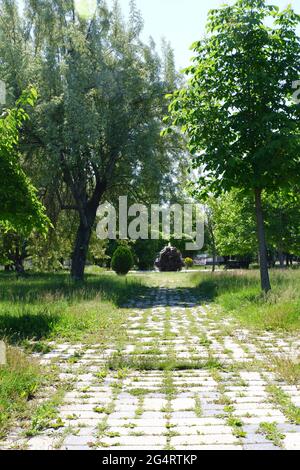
pixel 122 260
pixel 20 207
pixel 236 110
pixel 96 128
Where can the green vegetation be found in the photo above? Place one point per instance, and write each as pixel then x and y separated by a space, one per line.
pixel 111 143
pixel 239 295
pixel 287 369
pixel 20 208
pixel 284 403
pixel 19 381
pixel 45 416
pixel 122 260
pixel 47 306
pixel 119 362
pixel 43 307
pixel 231 106
pixel 271 432
pixel 86 122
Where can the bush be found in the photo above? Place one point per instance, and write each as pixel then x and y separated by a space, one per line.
pixel 122 260
pixel 189 262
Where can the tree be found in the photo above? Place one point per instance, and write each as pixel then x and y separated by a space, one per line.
pixel 233 222
pixel 20 207
pixel 283 222
pixel 236 110
pixel 98 121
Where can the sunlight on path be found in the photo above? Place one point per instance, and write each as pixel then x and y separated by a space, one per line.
pixel 183 379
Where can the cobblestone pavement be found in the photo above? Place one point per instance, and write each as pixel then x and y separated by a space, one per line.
pixel 183 379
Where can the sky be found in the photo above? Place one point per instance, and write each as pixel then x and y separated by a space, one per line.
pixel 182 22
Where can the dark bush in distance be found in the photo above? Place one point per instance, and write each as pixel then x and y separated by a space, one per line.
pixel 122 260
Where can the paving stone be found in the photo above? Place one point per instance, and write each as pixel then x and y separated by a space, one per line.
pixel 213 439
pixel 147 429
pixel 40 443
pixel 292 441
pixel 78 440
pixel 137 441
pixel 260 447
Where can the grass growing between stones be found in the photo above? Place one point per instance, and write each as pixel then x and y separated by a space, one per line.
pixel 284 403
pixel 287 369
pixel 43 307
pixel 45 416
pixel 271 432
pixel 118 362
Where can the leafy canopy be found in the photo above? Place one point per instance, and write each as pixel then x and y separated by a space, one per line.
pixel 236 109
pixel 20 208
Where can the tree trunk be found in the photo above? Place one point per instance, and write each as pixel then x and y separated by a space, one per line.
pixel 80 251
pixel 214 260
pixel 87 220
pixel 210 227
pixel 281 259
pixel 263 259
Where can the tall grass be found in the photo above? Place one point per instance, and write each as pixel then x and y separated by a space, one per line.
pixel 49 306
pixel 240 294
pixel 19 380
pixel 44 307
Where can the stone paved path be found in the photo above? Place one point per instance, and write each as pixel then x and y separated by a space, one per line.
pixel 181 380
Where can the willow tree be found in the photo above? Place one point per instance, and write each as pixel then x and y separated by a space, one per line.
pixel 97 124
pixel 236 110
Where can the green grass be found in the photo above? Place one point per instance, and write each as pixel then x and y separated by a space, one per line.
pixel 117 362
pixel 43 307
pixel 239 294
pixel 288 370
pixel 19 382
pixel 271 432
pixel 45 415
pixel 284 403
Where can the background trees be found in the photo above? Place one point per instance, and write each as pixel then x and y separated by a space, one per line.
pixel 237 111
pixel 231 226
pixel 96 127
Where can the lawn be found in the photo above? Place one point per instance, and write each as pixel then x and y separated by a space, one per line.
pixel 239 294
pixel 49 306
pixel 41 308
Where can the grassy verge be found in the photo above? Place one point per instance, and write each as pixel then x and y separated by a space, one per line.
pixel 239 294
pixel 40 308
pixel 46 307
pixel 19 381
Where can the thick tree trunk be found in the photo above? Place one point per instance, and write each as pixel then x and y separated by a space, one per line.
pixel 80 251
pixel 263 259
pixel 87 220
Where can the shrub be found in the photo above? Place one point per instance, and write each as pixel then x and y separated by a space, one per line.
pixel 189 262
pixel 122 260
